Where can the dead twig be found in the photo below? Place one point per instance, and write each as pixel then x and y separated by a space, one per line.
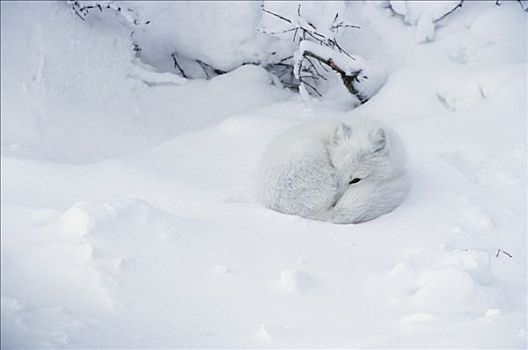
pixel 177 65
pixel 459 5
pixel 503 252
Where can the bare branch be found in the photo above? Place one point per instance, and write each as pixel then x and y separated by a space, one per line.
pixel 177 66
pixel 313 88
pixel 276 15
pixel 503 252
pixel 343 50
pixel 448 13
pixel 275 33
pixel 315 69
pixel 208 69
pixel 348 79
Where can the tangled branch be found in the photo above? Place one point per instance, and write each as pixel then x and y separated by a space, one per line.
pixel 304 62
pixel 83 8
pixel 348 78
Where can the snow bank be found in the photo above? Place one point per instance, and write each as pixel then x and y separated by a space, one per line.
pixel 222 34
pixel 86 98
pixel 424 15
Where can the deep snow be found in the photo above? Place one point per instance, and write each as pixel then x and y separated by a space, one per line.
pixel 129 215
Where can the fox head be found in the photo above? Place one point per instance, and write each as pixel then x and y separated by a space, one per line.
pixel 359 154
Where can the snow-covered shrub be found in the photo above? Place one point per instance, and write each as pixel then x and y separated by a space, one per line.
pixel 85 7
pixel 203 40
pixel 127 15
pixel 313 29
pixel 191 39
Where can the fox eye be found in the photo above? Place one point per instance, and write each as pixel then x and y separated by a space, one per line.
pixel 354 181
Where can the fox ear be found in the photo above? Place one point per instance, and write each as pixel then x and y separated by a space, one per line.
pixel 341 132
pixel 379 141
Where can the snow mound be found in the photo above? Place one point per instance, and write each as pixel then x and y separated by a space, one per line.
pixel 291 281
pixel 423 15
pixel 109 107
pixel 495 43
pixel 86 218
pixel 221 34
pixel 457 282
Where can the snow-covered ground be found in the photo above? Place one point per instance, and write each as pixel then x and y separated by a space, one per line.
pixel 129 216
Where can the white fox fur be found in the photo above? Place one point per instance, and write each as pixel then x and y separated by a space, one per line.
pixel 308 170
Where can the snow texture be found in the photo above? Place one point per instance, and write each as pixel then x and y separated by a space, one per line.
pixel 129 214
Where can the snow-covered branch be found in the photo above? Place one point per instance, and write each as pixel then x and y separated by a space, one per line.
pixel 83 8
pixel 348 67
pixel 318 45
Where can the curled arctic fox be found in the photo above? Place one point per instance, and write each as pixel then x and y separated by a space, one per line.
pixel 331 171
